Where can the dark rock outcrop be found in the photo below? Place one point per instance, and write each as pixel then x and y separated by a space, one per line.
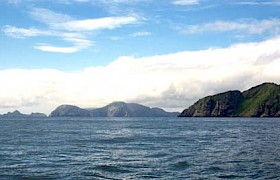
pixel 220 105
pixel 115 109
pixel 260 101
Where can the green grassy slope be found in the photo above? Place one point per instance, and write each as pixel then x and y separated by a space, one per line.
pixel 255 97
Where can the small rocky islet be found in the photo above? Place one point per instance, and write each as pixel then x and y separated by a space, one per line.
pixel 17 114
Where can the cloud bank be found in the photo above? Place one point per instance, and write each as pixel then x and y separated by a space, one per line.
pixel 172 81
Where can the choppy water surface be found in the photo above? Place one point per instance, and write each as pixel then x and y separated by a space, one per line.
pixel 140 148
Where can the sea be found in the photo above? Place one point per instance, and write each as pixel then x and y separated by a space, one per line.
pixel 140 148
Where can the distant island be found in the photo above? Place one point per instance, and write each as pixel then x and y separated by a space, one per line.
pixel 115 109
pixel 260 101
pixel 17 114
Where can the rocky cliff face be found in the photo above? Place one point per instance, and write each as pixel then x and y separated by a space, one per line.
pixel 115 109
pixel 269 108
pixel 259 101
pixel 220 105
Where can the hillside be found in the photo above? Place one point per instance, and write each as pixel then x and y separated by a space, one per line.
pixel 70 111
pixel 260 101
pixel 115 109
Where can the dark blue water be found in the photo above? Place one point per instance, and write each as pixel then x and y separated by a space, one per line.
pixel 140 148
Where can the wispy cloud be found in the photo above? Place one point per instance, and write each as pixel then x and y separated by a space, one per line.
pixel 172 81
pixel 276 2
pixel 186 2
pixel 49 48
pixel 67 28
pixel 14 1
pixel 140 34
pixel 246 26
pixel 96 24
pixel 22 32
pixel 65 22
pixel 115 38
pixel 78 40
pixel 82 1
pixel 57 1
pixel 49 17
pixel 78 44
pixel 33 32
pixel 119 2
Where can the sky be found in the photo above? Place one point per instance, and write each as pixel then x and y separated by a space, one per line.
pixel 160 53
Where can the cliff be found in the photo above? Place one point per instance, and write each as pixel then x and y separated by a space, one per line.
pixel 115 109
pixel 260 101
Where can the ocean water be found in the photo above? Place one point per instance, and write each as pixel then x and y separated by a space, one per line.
pixel 140 148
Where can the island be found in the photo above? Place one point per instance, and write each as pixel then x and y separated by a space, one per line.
pixel 115 109
pixel 259 101
pixel 18 114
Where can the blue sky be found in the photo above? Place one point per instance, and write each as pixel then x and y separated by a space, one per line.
pixel 85 39
pixel 137 28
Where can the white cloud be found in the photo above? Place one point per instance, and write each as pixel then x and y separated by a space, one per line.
pixel 14 1
pixel 48 48
pixel 22 32
pixel 115 38
pixel 49 17
pixel 186 2
pixel 248 26
pixel 276 2
pixel 172 81
pixel 96 24
pixel 67 28
pixel 64 22
pixel 83 43
pixel 140 34
pixel 78 45
pixel 119 1
pixel 74 38
pixel 33 32
pixel 82 1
